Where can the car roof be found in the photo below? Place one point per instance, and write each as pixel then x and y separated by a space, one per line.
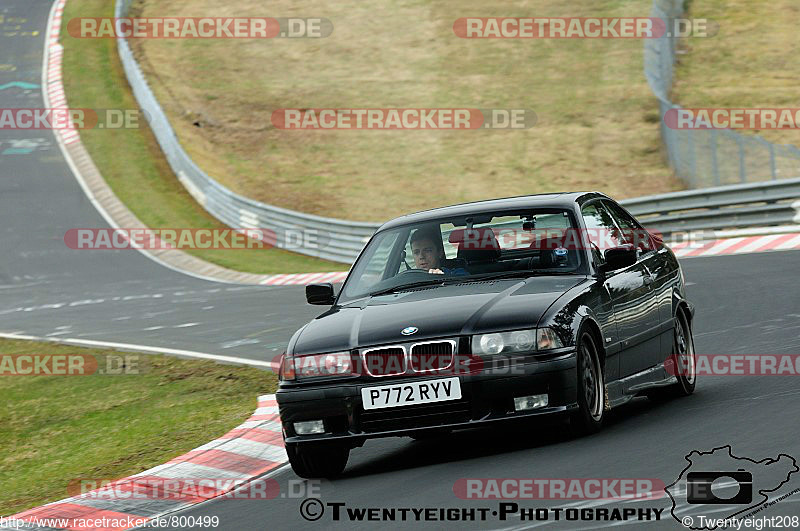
pixel 552 200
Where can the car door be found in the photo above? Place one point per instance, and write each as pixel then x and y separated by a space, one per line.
pixel 631 293
pixel 662 271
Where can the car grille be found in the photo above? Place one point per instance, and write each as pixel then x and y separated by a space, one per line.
pixel 387 361
pixel 433 356
pixel 404 418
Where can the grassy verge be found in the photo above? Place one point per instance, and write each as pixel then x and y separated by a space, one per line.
pixel 597 119
pixel 131 161
pixel 59 428
pixel 752 62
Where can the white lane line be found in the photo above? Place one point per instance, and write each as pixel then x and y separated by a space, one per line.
pixel 240 342
pixel 145 348
pixel 84 302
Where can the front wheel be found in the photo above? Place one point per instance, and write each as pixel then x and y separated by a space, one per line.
pixel 317 460
pixel 591 389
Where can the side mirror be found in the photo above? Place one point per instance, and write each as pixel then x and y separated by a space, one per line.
pixel 619 258
pixel 321 294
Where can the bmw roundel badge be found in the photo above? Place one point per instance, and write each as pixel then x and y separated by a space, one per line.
pixel 407 331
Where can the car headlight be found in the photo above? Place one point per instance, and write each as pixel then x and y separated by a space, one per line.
pixel 489 344
pixel 515 341
pixel 317 365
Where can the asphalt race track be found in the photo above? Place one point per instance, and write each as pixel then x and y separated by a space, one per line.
pixel 49 290
pixel 746 304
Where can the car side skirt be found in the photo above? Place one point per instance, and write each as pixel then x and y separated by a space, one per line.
pixel 624 390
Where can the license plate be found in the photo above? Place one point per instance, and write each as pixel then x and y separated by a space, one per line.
pixel 409 394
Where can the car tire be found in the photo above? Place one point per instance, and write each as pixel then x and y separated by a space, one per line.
pixel 683 359
pixel 317 460
pixel 591 389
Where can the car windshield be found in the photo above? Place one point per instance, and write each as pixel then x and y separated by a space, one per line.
pixel 471 247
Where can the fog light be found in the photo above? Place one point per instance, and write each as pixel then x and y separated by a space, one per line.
pixel 309 427
pixel 522 403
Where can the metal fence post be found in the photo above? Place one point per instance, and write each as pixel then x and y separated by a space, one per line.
pixel 742 168
pixel 692 156
pixel 714 164
pixel 772 168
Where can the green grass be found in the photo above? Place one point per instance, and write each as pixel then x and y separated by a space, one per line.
pixel 59 428
pixel 597 128
pixel 131 161
pixel 751 63
pixel 597 118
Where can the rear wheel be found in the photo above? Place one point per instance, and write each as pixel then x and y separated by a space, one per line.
pixel 317 460
pixel 591 389
pixel 683 359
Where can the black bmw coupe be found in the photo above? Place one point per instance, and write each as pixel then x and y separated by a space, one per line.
pixel 457 317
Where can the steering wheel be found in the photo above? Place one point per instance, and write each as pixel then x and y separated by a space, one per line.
pixel 413 272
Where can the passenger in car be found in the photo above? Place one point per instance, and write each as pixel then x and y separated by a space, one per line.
pixel 428 252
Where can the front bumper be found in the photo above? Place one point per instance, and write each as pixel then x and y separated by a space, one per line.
pixel 487 397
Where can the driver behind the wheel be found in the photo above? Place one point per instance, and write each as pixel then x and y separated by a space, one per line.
pixel 428 253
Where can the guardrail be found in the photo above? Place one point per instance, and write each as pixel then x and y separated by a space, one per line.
pixel 723 207
pixel 338 240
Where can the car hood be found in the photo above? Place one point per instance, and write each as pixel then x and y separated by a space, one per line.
pixel 438 311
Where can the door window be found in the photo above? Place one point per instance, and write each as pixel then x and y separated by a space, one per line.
pixel 601 229
pixel 631 230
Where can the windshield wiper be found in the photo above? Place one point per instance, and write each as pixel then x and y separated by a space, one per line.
pixel 401 287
